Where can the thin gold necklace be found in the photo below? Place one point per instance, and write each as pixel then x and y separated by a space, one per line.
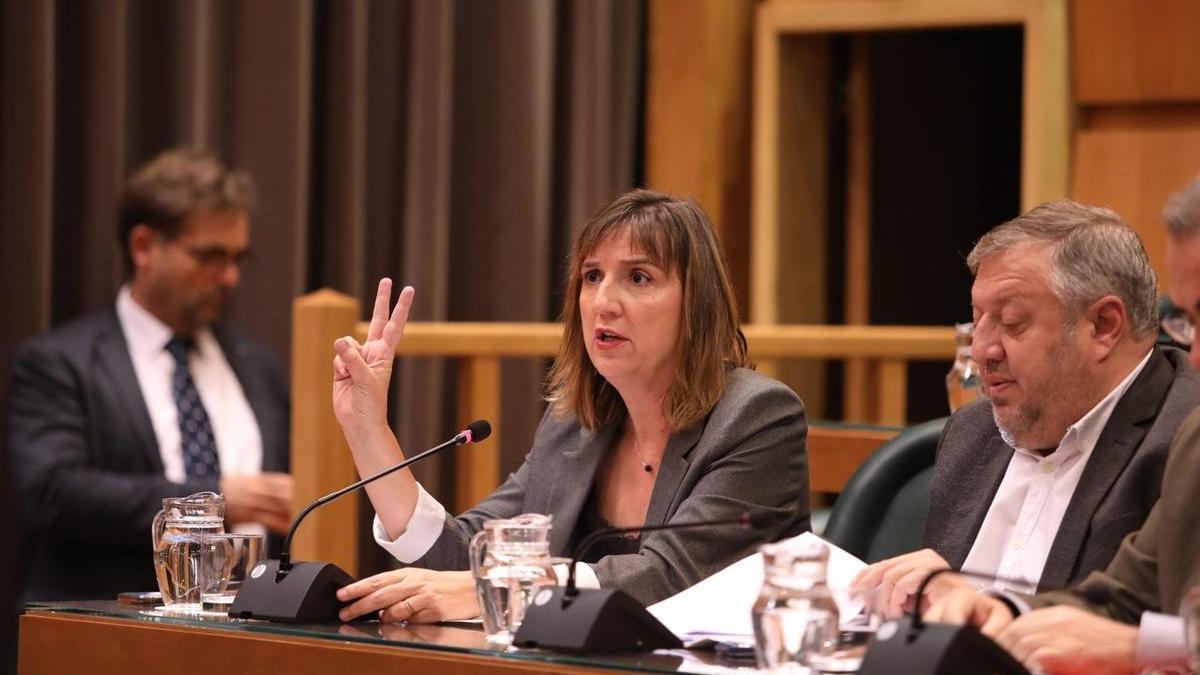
pixel 638 448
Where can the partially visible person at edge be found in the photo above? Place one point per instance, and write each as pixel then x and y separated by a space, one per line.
pixel 1125 618
pixel 1039 483
pixel 152 397
pixel 653 418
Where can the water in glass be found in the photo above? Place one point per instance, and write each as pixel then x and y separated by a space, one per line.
pixel 180 551
pixel 963 383
pixel 510 559
pixel 795 618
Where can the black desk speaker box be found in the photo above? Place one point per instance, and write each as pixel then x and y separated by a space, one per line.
pixel 594 621
pixel 307 593
pixel 935 649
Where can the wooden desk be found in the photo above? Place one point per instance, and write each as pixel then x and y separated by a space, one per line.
pixel 104 638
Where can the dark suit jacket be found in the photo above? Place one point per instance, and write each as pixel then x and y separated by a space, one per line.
pixel 1155 566
pixel 747 455
pixel 85 462
pixel 1115 493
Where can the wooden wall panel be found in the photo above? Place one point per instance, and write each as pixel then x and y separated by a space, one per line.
pixel 698 115
pixel 1133 169
pixel 1135 50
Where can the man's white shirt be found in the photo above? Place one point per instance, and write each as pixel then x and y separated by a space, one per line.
pixel 1024 517
pixel 235 429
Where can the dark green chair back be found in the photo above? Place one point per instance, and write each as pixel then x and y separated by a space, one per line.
pixel 881 512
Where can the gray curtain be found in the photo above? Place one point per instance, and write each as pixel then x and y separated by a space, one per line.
pixel 454 145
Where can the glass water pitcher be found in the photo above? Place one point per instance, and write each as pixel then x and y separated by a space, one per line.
pixel 179 534
pixel 964 382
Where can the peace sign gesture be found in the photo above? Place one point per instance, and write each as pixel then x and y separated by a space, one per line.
pixel 361 373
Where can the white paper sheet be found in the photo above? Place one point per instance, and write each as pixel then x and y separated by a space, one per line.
pixel 718 608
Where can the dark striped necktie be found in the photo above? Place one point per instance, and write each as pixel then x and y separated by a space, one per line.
pixel 200 460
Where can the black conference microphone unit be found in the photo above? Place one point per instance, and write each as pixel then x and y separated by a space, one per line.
pixel 306 592
pixel 604 620
pixel 941 649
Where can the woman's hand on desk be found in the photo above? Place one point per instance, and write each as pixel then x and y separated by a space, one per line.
pixel 361 373
pixel 412 594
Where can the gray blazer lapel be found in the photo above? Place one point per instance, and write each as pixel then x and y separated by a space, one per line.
pixel 676 459
pixel 977 490
pixel 573 480
pixel 112 357
pixel 1128 424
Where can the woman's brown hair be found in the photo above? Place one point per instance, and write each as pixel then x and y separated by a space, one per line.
pixel 678 237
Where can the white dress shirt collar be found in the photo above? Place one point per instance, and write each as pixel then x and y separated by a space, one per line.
pixel 1081 437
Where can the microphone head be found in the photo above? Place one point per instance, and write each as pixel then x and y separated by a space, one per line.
pixel 478 431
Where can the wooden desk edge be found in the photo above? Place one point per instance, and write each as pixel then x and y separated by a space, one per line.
pixel 57 642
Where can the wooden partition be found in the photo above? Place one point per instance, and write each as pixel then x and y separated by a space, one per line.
pixel 1136 71
pixel 794 99
pixel 322 463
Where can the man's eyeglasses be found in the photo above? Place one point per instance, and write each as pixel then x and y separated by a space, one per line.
pixel 1178 325
pixel 214 258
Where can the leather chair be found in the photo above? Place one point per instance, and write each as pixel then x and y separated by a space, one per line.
pixel 881 512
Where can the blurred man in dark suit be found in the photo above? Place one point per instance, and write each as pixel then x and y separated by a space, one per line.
pixel 152 397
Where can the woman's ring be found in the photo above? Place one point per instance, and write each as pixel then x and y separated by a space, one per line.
pixel 409 607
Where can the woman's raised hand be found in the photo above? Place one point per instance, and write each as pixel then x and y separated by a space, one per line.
pixel 361 373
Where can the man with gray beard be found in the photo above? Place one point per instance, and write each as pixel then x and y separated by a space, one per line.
pixel 1038 484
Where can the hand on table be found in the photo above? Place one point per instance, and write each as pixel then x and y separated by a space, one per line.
pixel 412 594
pixel 965 605
pixel 1068 640
pixel 898 578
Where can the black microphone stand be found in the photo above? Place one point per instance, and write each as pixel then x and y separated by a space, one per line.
pixel 601 621
pixel 922 648
pixel 306 592
pixel 285 563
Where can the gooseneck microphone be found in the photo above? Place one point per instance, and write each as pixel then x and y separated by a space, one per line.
pixel 938 648
pixel 475 432
pixel 586 544
pixel 602 621
pixel 306 592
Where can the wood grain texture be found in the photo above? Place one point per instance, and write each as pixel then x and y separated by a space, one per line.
pixel 477 469
pixel 64 643
pixel 321 460
pixel 1132 170
pixel 1135 52
pixel 835 453
pixel 698 115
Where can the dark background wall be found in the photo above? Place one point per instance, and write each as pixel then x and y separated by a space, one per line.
pixel 385 137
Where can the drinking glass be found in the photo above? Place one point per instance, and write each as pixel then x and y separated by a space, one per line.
pixel 227 559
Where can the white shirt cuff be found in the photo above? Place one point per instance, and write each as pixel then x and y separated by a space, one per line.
pixel 585 576
pixel 1161 642
pixel 421 532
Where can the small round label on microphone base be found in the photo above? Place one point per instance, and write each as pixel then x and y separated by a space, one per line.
pixel 887 630
pixel 543 596
pixel 258 570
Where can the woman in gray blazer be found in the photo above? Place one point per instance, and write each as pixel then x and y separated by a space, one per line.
pixel 653 418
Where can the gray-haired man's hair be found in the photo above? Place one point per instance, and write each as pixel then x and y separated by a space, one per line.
pixel 1182 212
pixel 1094 253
